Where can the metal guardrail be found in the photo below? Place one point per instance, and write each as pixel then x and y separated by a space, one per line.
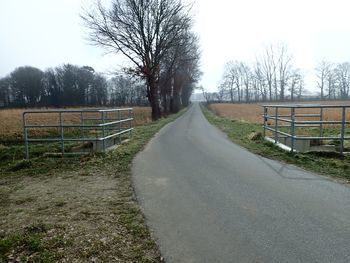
pixel 292 122
pixel 104 124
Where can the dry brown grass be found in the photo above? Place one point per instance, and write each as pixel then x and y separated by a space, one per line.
pixel 253 112
pixel 11 121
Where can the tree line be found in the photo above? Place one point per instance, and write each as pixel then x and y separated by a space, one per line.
pixel 272 77
pixel 156 37
pixel 72 85
pixel 333 80
pixel 66 85
pixel 69 85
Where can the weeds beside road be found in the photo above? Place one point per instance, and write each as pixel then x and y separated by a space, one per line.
pixel 330 164
pixel 75 209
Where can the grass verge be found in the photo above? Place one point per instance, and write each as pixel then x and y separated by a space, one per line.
pixel 330 164
pixel 80 209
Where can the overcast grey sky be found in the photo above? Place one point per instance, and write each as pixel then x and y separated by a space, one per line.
pixel 46 33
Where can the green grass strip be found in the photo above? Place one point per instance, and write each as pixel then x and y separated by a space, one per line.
pixel 329 164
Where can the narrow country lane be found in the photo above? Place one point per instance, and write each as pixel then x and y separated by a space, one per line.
pixel 208 200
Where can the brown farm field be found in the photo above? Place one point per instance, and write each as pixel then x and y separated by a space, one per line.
pixel 252 112
pixel 11 121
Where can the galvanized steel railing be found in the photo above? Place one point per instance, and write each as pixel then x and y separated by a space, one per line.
pixel 292 122
pixel 105 124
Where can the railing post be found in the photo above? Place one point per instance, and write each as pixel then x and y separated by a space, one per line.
pixel 292 117
pixel 25 135
pixel 276 123
pixel 107 120
pixel 265 120
pixel 130 116
pixel 62 133
pixel 321 120
pixel 82 125
pixel 103 131
pixel 119 127
pixel 343 120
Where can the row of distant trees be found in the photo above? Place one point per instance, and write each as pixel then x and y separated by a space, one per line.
pixel 68 85
pixel 333 80
pixel 71 85
pixel 274 77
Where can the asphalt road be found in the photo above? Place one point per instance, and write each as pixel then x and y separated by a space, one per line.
pixel 208 200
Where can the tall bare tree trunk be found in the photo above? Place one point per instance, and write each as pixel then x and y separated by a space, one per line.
pixel 153 97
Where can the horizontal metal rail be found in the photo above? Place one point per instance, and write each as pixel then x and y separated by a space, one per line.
pixel 306 122
pixel 293 123
pixel 298 126
pixel 319 138
pixel 77 111
pixel 305 106
pixel 80 139
pixel 279 132
pixel 77 125
pixel 101 128
pixel 277 118
pixel 300 115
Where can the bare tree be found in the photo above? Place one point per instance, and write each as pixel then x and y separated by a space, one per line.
pixel 331 83
pixel 229 79
pixel 245 73
pixel 269 68
pixel 232 80
pixel 342 73
pixel 220 95
pixel 275 65
pixel 125 89
pixel 260 83
pixel 268 78
pixel 208 96
pixel 284 66
pixel 180 70
pixel 143 31
pixel 323 71
pixel 295 80
pixel 300 87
